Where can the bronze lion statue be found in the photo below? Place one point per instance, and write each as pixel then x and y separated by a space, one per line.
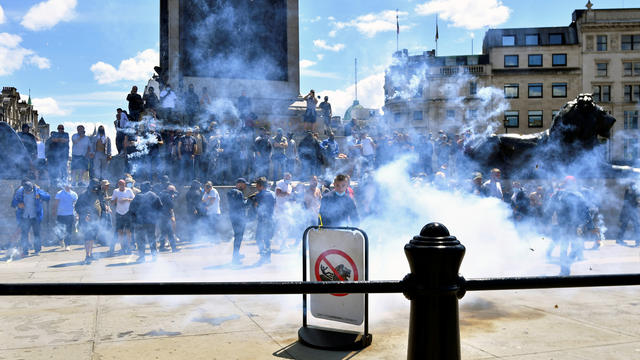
pixel 572 144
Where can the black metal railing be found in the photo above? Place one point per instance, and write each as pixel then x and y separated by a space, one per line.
pixel 433 286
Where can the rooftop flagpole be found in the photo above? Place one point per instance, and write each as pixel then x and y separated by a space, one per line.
pixel 436 34
pixel 397 30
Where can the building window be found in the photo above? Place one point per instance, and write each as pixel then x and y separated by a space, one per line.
pixel 531 39
pixel 555 39
pixel 511 91
pixel 631 68
pixel 631 93
pixel 559 90
pixel 473 88
pixel 631 120
pixel 554 113
pixel 511 119
pixel 606 93
pixel 508 40
pixel 397 117
pixel 417 116
pixel 511 61
pixel 601 69
pixel 630 149
pixel 535 118
pixel 472 114
pixel 630 42
pixel 601 42
pixel 559 60
pixel 535 60
pixel 601 93
pixel 535 90
pixel 451 114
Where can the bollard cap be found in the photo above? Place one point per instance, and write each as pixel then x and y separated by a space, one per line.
pixel 435 233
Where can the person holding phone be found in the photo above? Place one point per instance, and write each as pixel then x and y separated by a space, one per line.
pixel 310 114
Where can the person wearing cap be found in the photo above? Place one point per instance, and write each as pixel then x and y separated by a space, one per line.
pixel 58 154
pixel 476 187
pixel 90 208
pixel 278 155
pixel 146 209
pixel 283 209
pixel 121 198
pixel 186 148
pixel 130 183
pixel 237 205
pixel 30 211
pixel 63 212
pixel 167 222
pixel 264 203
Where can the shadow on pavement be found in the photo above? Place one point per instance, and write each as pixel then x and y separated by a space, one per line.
pixel 298 351
pixel 64 265
pixel 232 266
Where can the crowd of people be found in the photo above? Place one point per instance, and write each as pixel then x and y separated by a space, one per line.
pixel 171 143
pixel 135 217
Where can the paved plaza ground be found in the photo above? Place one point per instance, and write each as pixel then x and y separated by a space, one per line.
pixel 597 323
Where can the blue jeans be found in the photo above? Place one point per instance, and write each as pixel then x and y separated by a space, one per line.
pixel 25 225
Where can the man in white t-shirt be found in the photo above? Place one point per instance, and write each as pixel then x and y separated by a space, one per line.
pixel 211 204
pixel 121 198
pixel 368 150
pixel 283 210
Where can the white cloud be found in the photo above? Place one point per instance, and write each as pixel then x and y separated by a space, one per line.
pixel 138 68
pixel 40 62
pixel 322 44
pixel 47 14
pixel 2 17
pixel 370 94
pixel 371 24
pixel 48 106
pixel 306 63
pixel 13 56
pixel 333 33
pixel 468 14
pixel 305 71
pixel 320 57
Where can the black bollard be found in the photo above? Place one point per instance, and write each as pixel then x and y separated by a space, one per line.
pixel 432 286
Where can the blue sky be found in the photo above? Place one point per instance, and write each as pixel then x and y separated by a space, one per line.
pixel 80 57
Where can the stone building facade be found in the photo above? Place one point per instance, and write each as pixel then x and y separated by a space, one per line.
pixel 537 69
pixel 16 112
pixel 253 48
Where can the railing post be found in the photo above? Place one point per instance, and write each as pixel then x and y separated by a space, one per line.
pixel 432 286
